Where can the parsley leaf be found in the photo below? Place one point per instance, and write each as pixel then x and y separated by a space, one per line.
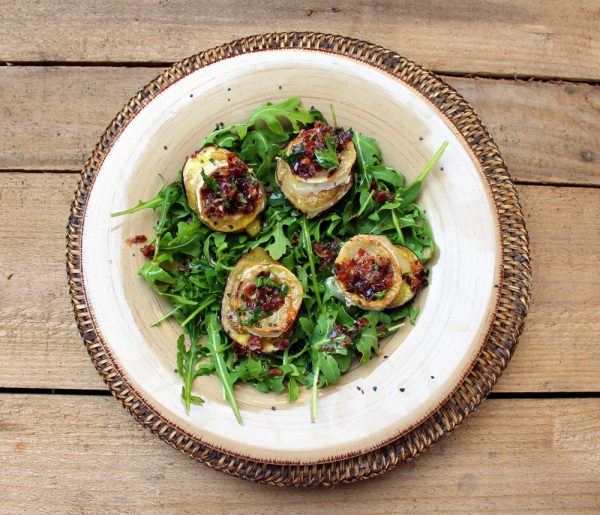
pixel 210 182
pixel 328 158
pixel 293 156
pixel 251 317
pixel 380 294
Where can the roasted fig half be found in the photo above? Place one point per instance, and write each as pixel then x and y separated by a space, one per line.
pixel 223 191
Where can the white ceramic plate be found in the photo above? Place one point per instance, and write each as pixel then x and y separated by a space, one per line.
pixel 373 404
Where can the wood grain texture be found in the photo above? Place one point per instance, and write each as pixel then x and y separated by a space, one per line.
pixel 51 118
pixel 557 39
pixel 41 347
pixel 507 457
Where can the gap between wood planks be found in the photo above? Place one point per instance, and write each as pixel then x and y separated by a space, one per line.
pixel 515 181
pixel 449 73
pixel 491 395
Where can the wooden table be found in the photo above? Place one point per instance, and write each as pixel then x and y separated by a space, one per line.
pixel 532 72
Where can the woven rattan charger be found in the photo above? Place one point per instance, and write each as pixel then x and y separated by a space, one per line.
pixel 514 288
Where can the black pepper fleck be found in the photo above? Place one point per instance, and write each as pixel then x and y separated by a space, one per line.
pixel 420 138
pixel 176 371
pixel 273 408
pixel 191 95
pixel 228 89
pixel 402 389
pixel 374 388
pixel 279 87
pixel 165 147
pixel 432 377
pixel 442 168
pixel 385 357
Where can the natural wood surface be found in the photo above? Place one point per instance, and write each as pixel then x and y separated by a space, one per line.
pixel 42 348
pixel 67 67
pixel 542 38
pixel 53 116
pixel 96 458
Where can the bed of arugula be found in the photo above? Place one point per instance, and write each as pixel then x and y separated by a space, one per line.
pixel 191 263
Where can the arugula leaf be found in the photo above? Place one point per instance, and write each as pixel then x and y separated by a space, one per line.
pixel 327 158
pixel 317 115
pixel 293 390
pixel 227 137
pixel 311 261
pixel 153 203
pixel 213 343
pixel 260 149
pixel 414 188
pixel 189 367
pixel 288 110
pixel 329 367
pixel 367 153
pixel 388 175
pixel 280 243
pixel 270 116
pixel 255 369
pixel 187 240
pixel 152 272
pixel 368 341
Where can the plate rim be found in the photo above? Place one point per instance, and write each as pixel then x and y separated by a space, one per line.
pixel 511 300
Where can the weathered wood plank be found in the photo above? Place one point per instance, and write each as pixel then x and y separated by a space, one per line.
pixel 536 38
pixel 51 118
pixel 41 347
pixel 75 453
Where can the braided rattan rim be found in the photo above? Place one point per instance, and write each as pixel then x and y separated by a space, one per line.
pixel 514 287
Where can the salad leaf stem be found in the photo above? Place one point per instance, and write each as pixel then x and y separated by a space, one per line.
pixel 365 204
pixel 206 303
pixel 315 393
pixel 213 342
pixel 311 263
pixel 397 226
pixel 413 190
pixel 187 361
pixel 164 317
pixel 393 328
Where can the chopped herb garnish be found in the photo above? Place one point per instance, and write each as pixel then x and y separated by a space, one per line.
pixel 327 158
pixel 210 182
pixel 380 294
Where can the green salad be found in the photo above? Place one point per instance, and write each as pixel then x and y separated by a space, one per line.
pixel 323 244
